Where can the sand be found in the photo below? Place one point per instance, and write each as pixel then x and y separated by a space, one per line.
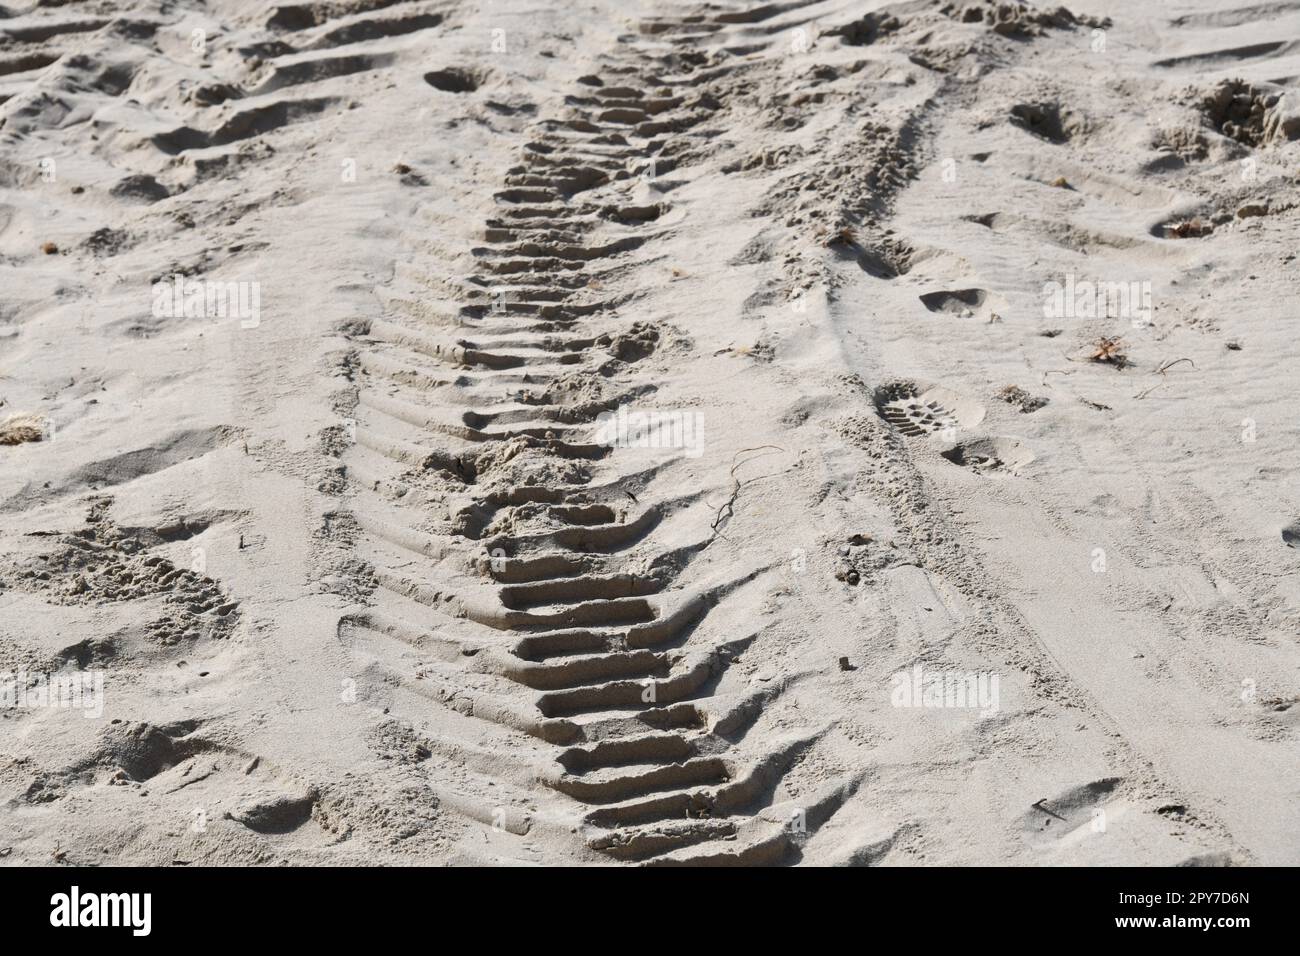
pixel 647 433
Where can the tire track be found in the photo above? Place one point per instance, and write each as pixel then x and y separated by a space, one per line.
pixel 543 604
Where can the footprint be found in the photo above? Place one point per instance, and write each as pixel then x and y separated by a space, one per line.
pixel 961 302
pixel 277 813
pixel 1291 534
pixel 139 188
pixel 141 750
pixel 991 456
pixel 453 80
pixel 1048 121
pixel 916 409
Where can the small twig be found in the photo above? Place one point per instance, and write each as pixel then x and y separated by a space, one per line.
pixel 1168 365
pixel 1164 367
pixel 729 505
pixel 1051 813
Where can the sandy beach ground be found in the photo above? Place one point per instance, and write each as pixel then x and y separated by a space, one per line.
pixel 617 432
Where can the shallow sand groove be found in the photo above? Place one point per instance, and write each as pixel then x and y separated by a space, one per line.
pixel 375 579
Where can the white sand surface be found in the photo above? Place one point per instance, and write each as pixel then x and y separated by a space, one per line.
pixel 342 325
